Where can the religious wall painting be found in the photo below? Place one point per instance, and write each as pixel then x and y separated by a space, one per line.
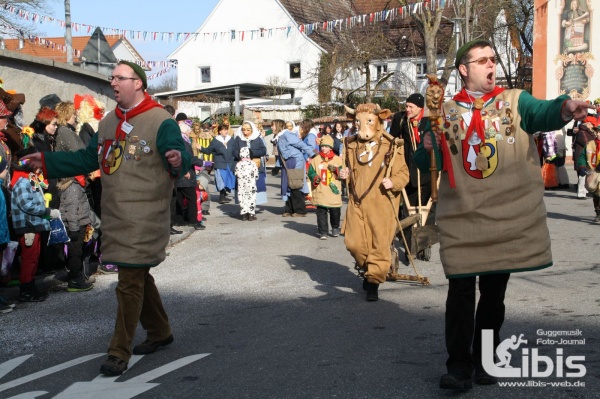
pixel 574 71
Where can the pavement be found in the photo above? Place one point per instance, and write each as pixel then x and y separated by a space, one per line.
pixel 267 310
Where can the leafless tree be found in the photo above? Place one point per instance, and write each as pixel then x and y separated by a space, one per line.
pixel 167 83
pixel 275 88
pixel 12 25
pixel 351 60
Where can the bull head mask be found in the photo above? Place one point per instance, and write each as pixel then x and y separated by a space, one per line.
pixel 369 120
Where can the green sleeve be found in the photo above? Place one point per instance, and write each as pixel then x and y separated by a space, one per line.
pixel 67 164
pixel 311 172
pixel 422 158
pixel 541 115
pixel 169 138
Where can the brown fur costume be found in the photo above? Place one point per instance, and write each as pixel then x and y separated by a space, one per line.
pixel 370 223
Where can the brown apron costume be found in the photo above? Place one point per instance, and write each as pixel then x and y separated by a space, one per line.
pixel 141 189
pixel 510 192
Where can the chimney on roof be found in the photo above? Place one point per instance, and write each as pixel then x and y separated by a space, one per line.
pixel 21 44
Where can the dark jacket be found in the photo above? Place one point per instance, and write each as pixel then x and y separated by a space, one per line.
pixel 44 142
pixel 191 180
pixel 74 205
pixel 86 132
pixel 222 155
pixel 400 127
pixel 257 149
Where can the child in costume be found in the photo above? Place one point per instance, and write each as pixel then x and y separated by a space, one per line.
pixel 326 187
pixel 75 212
pixel 202 194
pixel 246 172
pixel 30 218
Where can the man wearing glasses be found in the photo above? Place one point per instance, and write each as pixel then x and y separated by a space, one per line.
pixel 140 152
pixel 490 211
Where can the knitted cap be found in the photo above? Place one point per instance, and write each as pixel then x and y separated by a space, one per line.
pixel 326 141
pixel 50 101
pixel 137 70
pixel 468 46
pixel 417 99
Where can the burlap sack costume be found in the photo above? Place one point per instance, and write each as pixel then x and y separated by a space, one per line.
pixel 370 223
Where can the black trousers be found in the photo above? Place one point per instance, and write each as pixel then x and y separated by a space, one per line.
pixel 464 323
pixel 295 202
pixel 334 218
pixel 74 255
pixel 191 216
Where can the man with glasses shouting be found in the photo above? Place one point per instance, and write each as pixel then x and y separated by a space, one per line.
pixel 140 152
pixel 490 210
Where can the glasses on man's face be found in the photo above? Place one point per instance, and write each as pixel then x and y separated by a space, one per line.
pixel 120 78
pixel 483 60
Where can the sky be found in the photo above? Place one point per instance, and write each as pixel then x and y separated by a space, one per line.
pixel 135 15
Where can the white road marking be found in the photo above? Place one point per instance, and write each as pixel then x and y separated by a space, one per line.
pixel 29 395
pixel 103 390
pixel 106 387
pixel 12 364
pixel 167 368
pixel 46 372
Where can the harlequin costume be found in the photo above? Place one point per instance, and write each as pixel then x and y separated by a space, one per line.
pixel 137 185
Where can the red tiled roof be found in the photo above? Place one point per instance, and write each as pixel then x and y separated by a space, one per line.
pixel 53 49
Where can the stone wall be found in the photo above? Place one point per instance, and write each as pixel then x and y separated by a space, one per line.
pixel 35 77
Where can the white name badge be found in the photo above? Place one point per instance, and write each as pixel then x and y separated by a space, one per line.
pixel 126 127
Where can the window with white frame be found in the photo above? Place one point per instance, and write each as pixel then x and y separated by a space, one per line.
pixel 204 74
pixel 381 70
pixel 295 72
pixel 421 69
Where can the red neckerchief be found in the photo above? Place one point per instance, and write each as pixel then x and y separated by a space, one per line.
pixel 327 157
pixel 146 105
pixel 475 125
pixel 415 125
pixel 476 122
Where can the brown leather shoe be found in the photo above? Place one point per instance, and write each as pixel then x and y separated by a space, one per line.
pixel 113 366
pixel 147 347
pixel 299 215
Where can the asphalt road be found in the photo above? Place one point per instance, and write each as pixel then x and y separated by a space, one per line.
pixel 267 310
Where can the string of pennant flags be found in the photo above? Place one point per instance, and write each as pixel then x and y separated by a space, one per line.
pixel 242 35
pixel 231 35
